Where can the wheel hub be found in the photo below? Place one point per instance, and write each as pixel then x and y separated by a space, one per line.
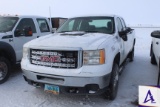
pixel 116 78
pixel 0 73
pixel 3 70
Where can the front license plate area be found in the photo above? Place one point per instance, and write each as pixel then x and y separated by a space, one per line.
pixel 52 89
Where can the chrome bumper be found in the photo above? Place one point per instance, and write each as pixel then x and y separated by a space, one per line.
pixel 67 81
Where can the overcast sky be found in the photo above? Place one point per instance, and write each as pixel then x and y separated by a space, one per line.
pixel 133 11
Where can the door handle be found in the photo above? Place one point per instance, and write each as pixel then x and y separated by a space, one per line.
pixel 157 43
pixel 38 36
pixel 10 40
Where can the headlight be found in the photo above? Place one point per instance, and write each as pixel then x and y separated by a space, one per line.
pixel 94 57
pixel 25 52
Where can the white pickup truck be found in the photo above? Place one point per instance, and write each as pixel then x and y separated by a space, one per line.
pixel 14 32
pixel 84 56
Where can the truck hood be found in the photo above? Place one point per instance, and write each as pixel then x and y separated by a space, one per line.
pixel 71 40
pixel 2 35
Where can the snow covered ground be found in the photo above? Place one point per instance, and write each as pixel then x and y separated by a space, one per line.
pixel 17 93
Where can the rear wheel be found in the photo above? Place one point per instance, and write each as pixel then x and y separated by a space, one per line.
pixel 111 93
pixel 131 55
pixel 4 69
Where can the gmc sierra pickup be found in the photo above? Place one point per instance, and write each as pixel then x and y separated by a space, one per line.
pixel 84 56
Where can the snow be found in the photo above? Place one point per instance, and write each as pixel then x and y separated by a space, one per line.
pixel 17 93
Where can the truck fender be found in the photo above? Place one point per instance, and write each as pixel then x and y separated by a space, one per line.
pixel 7 51
pixel 116 57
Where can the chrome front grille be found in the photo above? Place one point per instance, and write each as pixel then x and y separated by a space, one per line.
pixel 56 58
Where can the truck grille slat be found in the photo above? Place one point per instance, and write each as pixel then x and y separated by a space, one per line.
pixel 54 58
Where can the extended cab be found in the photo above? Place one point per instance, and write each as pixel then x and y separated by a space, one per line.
pixel 14 32
pixel 84 56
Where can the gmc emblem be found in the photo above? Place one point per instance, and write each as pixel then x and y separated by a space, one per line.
pixel 50 59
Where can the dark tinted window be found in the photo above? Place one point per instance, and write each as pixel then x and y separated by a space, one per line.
pixel 43 25
pixel 26 22
pixel 120 26
pixel 123 23
pixel 89 24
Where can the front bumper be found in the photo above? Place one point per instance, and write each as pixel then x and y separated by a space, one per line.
pixel 84 85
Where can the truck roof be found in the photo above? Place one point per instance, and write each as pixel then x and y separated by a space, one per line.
pixel 23 16
pixel 96 15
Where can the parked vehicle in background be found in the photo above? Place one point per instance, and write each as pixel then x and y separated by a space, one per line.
pixel 84 56
pixel 57 22
pixel 155 51
pixel 14 32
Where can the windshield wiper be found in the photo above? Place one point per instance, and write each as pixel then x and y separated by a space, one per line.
pixel 70 31
pixel 87 31
pixel 63 31
pixel 67 31
pixel 93 31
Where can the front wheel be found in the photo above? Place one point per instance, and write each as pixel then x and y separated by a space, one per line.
pixel 111 93
pixel 4 69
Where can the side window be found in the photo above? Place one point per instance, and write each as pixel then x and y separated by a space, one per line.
pixel 123 23
pixel 43 25
pixel 120 26
pixel 70 27
pixel 26 22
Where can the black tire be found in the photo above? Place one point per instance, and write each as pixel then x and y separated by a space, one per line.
pixel 131 55
pixel 153 59
pixel 111 93
pixel 4 69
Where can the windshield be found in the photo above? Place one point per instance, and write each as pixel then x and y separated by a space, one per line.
pixel 7 23
pixel 89 24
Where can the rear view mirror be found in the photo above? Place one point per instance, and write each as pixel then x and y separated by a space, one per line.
pixel 123 35
pixel 155 34
pixel 128 29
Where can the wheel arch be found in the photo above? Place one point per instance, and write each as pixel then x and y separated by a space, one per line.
pixel 117 59
pixel 8 52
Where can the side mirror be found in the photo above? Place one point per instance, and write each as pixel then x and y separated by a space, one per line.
pixel 123 35
pixel 155 34
pixel 17 33
pixel 128 29
pixel 27 31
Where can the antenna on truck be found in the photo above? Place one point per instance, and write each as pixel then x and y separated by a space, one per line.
pixel 50 21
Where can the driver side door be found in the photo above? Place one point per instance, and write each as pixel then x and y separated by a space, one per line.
pixel 20 39
pixel 124 43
